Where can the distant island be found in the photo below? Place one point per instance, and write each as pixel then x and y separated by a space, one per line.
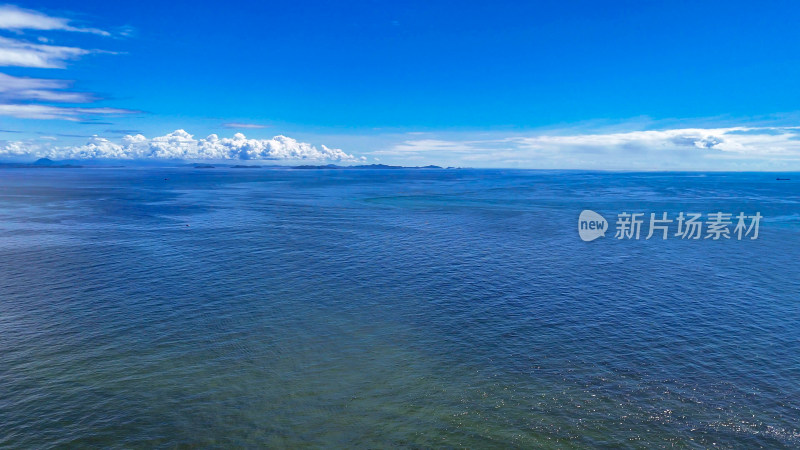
pixel 316 167
pixel 369 166
pixel 41 163
pixel 71 164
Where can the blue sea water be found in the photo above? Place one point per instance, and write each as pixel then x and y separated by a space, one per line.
pixel 424 308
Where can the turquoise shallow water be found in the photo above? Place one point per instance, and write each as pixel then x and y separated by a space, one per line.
pixel 391 308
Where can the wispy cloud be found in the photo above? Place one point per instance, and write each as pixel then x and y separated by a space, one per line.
pixel 121 131
pixel 33 98
pixel 239 125
pixel 23 88
pixel 74 114
pixel 180 145
pixel 16 18
pixel 19 53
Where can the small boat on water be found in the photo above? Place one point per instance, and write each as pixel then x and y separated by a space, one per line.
pixel 782 179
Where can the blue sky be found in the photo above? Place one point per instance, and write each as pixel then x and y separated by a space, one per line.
pixel 627 85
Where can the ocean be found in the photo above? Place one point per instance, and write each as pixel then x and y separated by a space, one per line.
pixel 224 307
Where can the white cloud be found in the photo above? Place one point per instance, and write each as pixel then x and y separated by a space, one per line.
pixel 19 53
pixel 428 145
pixel 734 148
pixel 15 18
pixel 22 53
pixel 27 111
pixel 181 145
pixel 23 88
pixel 243 125
pixel 30 98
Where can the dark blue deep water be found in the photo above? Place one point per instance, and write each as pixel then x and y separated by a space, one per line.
pixel 427 308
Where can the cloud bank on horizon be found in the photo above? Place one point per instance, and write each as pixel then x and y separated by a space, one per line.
pixel 179 145
pixel 731 148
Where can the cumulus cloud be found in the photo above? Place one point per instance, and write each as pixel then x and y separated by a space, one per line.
pixel 16 18
pixel 180 145
pixel 686 148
